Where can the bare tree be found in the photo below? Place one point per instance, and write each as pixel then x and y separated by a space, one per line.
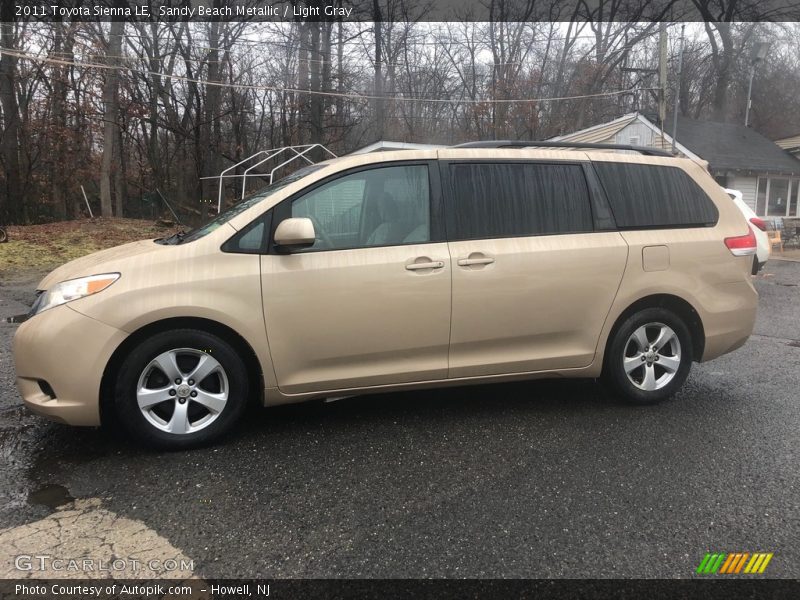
pixel 13 209
pixel 185 100
pixel 110 116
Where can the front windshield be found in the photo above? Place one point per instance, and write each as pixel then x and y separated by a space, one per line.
pixel 242 206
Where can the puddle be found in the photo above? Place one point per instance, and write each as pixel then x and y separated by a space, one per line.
pixel 52 496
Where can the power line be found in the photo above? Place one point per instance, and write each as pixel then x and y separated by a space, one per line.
pixel 266 88
pixel 297 47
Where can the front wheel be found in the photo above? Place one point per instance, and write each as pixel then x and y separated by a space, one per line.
pixel 649 356
pixel 180 389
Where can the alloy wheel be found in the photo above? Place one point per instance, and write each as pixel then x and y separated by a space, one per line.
pixel 182 391
pixel 652 356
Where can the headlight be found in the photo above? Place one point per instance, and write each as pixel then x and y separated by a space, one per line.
pixel 70 290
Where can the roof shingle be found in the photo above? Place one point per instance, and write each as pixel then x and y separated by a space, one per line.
pixel 728 146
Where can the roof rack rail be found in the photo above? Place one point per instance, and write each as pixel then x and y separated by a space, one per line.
pixel 547 144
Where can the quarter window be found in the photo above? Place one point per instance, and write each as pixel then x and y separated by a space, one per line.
pixel 653 196
pixel 496 200
pixel 377 207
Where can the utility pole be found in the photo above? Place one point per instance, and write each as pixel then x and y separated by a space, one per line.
pixel 759 53
pixel 749 93
pixel 662 76
pixel 677 99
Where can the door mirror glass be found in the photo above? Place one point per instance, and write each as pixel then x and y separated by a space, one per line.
pixel 295 233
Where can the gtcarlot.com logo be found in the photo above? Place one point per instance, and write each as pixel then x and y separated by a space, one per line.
pixel 734 563
pixel 46 562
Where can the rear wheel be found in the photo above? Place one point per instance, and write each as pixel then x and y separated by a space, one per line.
pixel 181 388
pixel 649 356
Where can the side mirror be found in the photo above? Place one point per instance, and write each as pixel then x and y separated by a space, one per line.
pixel 295 233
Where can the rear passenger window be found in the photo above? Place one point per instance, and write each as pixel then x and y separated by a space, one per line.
pixel 653 196
pixel 495 200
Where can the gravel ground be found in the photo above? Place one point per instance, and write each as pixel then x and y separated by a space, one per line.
pixel 543 479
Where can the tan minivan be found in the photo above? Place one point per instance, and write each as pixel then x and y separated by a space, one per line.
pixel 484 262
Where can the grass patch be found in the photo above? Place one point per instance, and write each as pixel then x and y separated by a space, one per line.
pixel 39 248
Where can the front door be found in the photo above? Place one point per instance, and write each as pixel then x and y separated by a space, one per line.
pixel 369 303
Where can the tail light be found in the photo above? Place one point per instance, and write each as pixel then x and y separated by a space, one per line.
pixel 760 223
pixel 742 245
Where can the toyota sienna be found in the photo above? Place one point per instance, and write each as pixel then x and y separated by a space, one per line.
pixel 487 262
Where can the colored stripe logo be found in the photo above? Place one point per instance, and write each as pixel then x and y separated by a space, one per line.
pixel 734 563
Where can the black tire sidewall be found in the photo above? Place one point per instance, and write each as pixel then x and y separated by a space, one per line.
pixel 128 375
pixel 614 372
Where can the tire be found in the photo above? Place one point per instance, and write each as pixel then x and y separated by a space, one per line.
pixel 165 413
pixel 3 235
pixel 654 376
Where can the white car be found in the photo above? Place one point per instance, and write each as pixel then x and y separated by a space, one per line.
pixel 759 227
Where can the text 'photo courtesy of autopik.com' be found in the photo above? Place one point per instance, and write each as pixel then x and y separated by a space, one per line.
pixel 390 299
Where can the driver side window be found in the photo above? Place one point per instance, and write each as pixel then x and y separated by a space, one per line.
pixel 386 206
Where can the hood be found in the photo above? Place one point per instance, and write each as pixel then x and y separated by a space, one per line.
pixel 104 261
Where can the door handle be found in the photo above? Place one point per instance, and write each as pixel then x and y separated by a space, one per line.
pixel 468 262
pixel 434 264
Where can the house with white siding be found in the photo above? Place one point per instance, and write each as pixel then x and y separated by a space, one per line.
pixel 791 144
pixel 738 157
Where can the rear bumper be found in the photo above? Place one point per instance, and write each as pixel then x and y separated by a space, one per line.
pixel 763 246
pixel 60 356
pixel 729 321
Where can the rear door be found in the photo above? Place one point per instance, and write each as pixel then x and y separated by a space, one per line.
pixel 533 274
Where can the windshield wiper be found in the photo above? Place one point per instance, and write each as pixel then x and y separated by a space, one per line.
pixel 172 240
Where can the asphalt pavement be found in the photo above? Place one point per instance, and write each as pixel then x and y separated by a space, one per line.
pixel 540 479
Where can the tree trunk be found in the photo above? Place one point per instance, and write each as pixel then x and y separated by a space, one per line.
pixel 315 100
pixel 379 104
pixel 154 146
pixel 302 81
pixel 59 129
pixel 12 209
pixel 120 183
pixel 211 116
pixel 720 102
pixel 340 74
pixel 110 116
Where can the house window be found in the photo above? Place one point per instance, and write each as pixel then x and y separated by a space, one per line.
pixel 761 196
pixel 778 197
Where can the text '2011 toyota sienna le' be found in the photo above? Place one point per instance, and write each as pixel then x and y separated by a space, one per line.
pixel 399 270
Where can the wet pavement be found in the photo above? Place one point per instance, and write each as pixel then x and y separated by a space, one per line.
pixel 542 479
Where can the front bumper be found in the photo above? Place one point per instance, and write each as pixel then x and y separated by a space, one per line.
pixel 60 356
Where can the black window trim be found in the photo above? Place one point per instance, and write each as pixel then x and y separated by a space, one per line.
pixel 229 246
pixel 598 199
pixel 450 202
